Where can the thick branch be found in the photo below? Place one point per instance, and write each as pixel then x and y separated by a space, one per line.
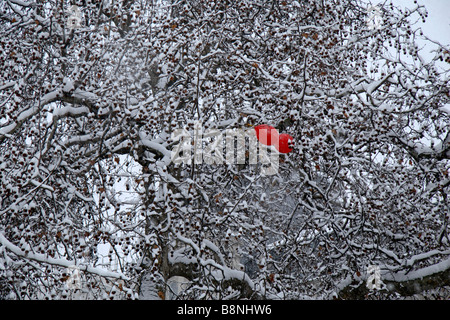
pixel 405 284
pixel 58 262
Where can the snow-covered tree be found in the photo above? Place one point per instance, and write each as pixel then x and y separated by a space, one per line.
pixel 91 96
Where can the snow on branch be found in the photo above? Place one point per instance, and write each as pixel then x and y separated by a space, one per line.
pixel 58 262
pixel 403 276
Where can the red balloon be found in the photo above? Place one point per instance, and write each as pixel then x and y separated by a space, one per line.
pixel 266 134
pixel 285 142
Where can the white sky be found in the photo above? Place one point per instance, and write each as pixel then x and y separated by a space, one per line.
pixel 437 25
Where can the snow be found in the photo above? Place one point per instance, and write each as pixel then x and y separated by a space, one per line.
pixel 153 144
pixel 68 85
pixel 361 185
pixel 70 110
pixel 22 3
pixel 417 274
pixel 26 114
pixel 82 94
pixel 425 255
pixel 58 262
pixel 446 108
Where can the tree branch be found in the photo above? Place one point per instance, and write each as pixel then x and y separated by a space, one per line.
pixel 58 262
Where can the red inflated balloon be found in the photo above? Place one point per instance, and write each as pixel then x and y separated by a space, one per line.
pixel 284 142
pixel 266 134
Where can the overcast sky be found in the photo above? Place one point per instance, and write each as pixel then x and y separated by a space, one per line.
pixel 437 25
